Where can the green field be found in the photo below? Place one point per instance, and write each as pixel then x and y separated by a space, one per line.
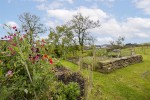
pixel 130 83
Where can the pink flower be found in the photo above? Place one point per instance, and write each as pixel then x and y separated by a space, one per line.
pixel 5 37
pixel 9 74
pixel 10 40
pixel 10 49
pixel 14 34
pixel 14 27
pixel 14 45
pixel 36 57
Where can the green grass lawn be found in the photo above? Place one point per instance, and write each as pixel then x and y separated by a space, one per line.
pixel 129 83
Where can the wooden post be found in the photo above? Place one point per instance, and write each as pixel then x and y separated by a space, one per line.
pixel 81 58
pixel 90 77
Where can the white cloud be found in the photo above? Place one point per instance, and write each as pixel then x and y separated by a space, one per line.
pixel 39 0
pixel 100 0
pixel 52 5
pixel 130 28
pixel 142 35
pixel 12 23
pixel 104 40
pixel 111 27
pixel 139 22
pixel 42 7
pixel 143 4
pixel 65 15
pixel 70 1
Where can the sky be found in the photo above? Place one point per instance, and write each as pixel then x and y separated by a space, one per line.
pixel 126 18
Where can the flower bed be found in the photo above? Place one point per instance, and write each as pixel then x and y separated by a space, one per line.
pixel 26 70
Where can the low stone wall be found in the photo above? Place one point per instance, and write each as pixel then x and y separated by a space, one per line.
pixel 109 66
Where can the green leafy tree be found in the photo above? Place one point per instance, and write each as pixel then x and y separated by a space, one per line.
pixel 80 26
pixel 61 40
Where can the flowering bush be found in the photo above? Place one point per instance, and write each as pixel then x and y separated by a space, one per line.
pixel 26 70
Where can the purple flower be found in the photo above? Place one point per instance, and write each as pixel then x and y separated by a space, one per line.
pixel 14 27
pixel 9 74
pixel 36 57
pixel 14 34
pixel 5 37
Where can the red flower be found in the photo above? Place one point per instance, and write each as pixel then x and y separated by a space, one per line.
pixel 50 61
pixel 10 49
pixel 44 57
pixel 43 41
pixel 14 45
pixel 21 39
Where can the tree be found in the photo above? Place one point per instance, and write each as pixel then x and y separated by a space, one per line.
pixel 80 26
pixel 61 40
pixel 31 23
pixel 118 44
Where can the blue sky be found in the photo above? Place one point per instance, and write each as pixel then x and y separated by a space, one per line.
pixel 128 18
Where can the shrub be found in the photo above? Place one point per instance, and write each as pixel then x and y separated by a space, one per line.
pixel 26 71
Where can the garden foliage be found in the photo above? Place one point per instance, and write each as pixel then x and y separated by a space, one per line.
pixel 26 71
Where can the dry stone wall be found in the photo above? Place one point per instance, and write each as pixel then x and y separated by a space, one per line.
pixel 109 66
